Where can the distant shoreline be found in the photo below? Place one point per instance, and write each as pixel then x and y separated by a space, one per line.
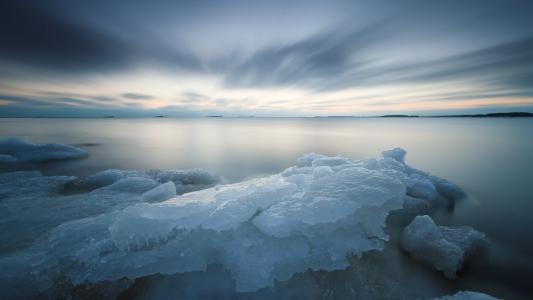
pixel 489 115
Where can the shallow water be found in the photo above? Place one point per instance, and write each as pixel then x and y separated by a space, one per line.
pixel 491 159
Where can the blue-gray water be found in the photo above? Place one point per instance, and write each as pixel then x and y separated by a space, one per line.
pixel 491 159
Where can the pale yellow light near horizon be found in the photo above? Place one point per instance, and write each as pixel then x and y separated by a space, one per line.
pixel 169 90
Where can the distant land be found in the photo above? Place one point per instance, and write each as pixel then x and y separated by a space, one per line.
pixel 399 116
pixel 493 115
pixel 489 115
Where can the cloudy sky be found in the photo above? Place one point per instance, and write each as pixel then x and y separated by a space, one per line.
pixel 264 58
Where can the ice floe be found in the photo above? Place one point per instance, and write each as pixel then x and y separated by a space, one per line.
pixel 13 150
pixel 310 216
pixel 446 248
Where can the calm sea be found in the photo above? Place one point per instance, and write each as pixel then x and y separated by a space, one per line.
pixel 491 159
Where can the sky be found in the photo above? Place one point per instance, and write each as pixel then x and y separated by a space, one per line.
pixel 72 58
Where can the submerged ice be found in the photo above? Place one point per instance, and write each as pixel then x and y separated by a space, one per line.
pixel 15 150
pixel 446 248
pixel 310 216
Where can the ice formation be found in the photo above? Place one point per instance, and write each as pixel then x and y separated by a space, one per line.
pixel 446 248
pixel 467 295
pixel 32 204
pixel 13 150
pixel 311 216
pixel 184 180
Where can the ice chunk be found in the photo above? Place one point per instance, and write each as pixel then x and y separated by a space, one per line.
pixel 188 180
pixel 101 179
pixel 33 204
pixel 467 295
pixel 416 205
pixel 411 208
pixel 448 189
pixel 421 184
pixel 446 248
pixel 397 154
pixel 308 158
pixel 162 192
pixel 311 216
pixel 184 180
pixel 422 187
pixel 14 149
pixel 330 198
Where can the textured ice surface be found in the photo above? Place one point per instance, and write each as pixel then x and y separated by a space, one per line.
pixel 467 295
pixel 184 180
pixel 310 216
pixel 31 204
pixel 117 223
pixel 446 248
pixel 161 192
pixel 14 150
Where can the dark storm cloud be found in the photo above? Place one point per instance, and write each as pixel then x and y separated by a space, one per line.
pixel 35 37
pixel 31 36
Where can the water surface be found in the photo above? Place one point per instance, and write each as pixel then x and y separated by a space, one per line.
pixel 491 159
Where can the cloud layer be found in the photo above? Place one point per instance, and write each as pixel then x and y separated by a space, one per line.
pixel 276 58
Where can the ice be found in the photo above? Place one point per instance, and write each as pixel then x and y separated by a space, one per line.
pixel 397 154
pixel 422 187
pixel 162 192
pixel 32 204
pixel 467 295
pixel 310 216
pixel 123 223
pixel 445 248
pixel 14 150
pixel 102 179
pixel 184 180
pixel 411 208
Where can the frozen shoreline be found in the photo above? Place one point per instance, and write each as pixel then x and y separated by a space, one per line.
pixel 310 216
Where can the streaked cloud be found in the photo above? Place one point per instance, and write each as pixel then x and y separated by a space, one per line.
pixel 189 58
pixel 136 96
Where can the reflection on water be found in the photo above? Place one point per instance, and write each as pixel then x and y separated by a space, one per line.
pixel 491 159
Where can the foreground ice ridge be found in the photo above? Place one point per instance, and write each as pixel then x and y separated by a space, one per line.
pixel 16 150
pixel 446 248
pixel 310 216
pixel 32 204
